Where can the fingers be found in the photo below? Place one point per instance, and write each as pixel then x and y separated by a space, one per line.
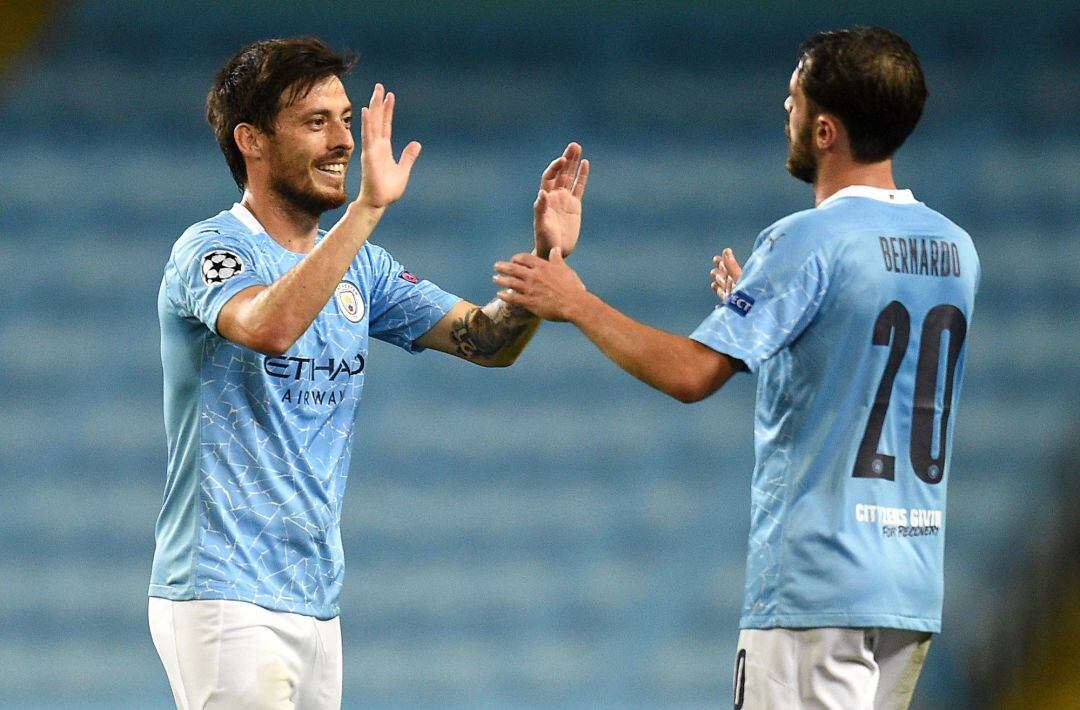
pixel 409 156
pixel 528 260
pixel 510 282
pixel 377 118
pixel 721 283
pixel 511 297
pixel 731 263
pixel 567 172
pixel 547 179
pixel 582 177
pixel 555 255
pixel 375 111
pixel 564 179
pixel 388 115
pixel 365 128
pixel 725 273
pixel 509 268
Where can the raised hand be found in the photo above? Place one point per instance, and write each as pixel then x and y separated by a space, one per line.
pixel 549 289
pixel 725 274
pixel 384 179
pixel 557 210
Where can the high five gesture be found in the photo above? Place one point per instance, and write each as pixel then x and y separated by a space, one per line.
pixel 384 179
pixel 557 210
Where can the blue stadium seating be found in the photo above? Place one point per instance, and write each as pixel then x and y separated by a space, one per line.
pixel 555 535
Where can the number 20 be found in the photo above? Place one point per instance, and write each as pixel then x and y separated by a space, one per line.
pixel 895 321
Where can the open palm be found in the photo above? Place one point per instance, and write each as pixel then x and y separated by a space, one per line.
pixel 557 210
pixel 384 179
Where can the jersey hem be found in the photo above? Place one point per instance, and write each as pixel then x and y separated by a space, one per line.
pixel 841 620
pixel 184 594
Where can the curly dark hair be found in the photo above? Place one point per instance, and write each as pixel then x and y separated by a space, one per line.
pixel 259 81
pixel 870 78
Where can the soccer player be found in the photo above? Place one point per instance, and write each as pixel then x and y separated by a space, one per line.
pixel 854 316
pixel 265 326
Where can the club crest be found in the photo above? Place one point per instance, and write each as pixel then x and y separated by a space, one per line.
pixel 349 302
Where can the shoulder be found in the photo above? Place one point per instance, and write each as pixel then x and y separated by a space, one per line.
pixel 372 252
pixel 807 226
pixel 222 231
pixel 221 227
pixel 373 260
pixel 381 264
pixel 795 236
pixel 945 223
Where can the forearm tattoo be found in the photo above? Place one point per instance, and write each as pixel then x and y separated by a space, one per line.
pixel 484 332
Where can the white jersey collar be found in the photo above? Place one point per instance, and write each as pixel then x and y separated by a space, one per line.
pixel 896 197
pixel 246 218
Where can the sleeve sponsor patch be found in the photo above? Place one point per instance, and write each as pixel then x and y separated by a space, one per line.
pixel 740 302
pixel 219 266
pixel 409 277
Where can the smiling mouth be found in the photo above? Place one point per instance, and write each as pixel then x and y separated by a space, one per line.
pixel 335 169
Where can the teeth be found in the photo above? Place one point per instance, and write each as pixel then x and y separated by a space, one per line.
pixel 333 167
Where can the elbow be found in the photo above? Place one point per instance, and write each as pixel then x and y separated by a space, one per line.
pixel 269 341
pixel 691 390
pixel 506 361
pixel 702 377
pixel 244 323
pixel 687 395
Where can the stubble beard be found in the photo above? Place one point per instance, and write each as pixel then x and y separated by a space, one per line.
pixel 801 162
pixel 304 199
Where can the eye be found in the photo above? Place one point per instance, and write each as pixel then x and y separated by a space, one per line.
pixel 317 122
pixel 348 121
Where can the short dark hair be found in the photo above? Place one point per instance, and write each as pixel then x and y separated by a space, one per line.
pixel 259 81
pixel 870 78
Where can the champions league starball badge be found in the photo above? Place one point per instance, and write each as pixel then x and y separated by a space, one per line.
pixel 219 266
pixel 349 302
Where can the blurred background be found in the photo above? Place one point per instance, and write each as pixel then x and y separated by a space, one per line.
pixel 554 535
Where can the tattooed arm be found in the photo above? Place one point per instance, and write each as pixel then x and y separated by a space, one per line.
pixel 496 334
pixel 492 336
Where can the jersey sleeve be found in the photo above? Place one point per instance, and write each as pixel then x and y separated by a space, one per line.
pixel 212 266
pixel 780 291
pixel 403 307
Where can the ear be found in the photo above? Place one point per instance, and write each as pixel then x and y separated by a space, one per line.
pixel 827 130
pixel 249 140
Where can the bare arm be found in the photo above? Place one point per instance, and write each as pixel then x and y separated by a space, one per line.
pixel 271 318
pixel 494 336
pixel 676 365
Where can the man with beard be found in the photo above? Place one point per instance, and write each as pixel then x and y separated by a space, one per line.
pixel 265 325
pixel 854 316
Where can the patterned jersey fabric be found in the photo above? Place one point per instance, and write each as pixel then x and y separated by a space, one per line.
pixel 259 445
pixel 854 315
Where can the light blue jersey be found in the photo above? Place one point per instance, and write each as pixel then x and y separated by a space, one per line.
pixel 259 445
pixel 854 315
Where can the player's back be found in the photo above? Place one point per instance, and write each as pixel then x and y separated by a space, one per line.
pixel 855 419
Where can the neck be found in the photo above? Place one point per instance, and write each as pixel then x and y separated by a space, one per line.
pixel 289 227
pixel 836 172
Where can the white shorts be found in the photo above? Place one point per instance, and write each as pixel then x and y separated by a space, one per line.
pixel 231 655
pixel 828 668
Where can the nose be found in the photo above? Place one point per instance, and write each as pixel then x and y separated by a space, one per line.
pixel 340 136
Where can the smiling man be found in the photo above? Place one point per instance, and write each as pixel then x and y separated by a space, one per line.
pixel 265 326
pixel 854 317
